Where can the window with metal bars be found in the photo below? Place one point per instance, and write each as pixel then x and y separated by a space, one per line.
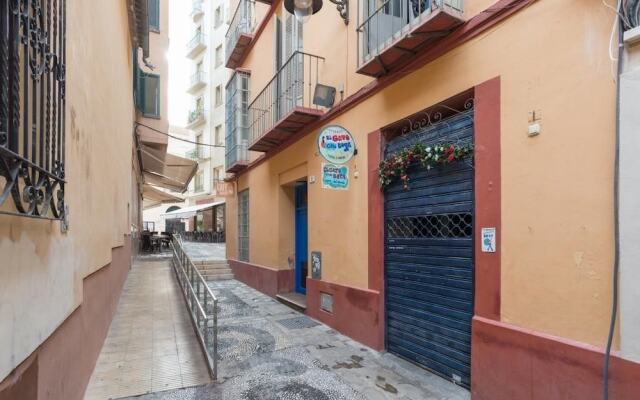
pixel 243 225
pixel 458 225
pixel 32 108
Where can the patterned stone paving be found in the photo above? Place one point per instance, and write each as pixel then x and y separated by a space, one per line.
pixel 260 359
pixel 205 251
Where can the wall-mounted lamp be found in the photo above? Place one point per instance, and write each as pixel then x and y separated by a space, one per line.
pixel 304 9
pixel 324 95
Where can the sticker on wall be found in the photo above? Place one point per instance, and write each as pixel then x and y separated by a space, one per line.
pixel 488 240
pixel 316 265
pixel 335 176
pixel 336 145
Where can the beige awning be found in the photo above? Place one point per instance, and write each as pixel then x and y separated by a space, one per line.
pixel 153 196
pixel 167 170
pixel 188 212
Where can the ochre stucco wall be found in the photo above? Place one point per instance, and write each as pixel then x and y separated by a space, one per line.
pixel 556 188
pixel 42 270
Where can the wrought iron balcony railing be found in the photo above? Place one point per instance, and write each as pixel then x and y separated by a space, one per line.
pixel 286 102
pixel 240 30
pixel 198 81
pixel 196 9
pixel 237 122
pixel 195 117
pixel 237 157
pixel 198 153
pixel 397 28
pixel 196 44
pixel 32 108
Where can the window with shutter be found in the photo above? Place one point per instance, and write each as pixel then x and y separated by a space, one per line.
pixel 154 15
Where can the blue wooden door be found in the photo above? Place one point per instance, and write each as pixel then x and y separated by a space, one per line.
pixel 301 257
pixel 429 258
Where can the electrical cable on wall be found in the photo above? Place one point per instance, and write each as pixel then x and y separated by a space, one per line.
pixel 628 17
pixel 179 138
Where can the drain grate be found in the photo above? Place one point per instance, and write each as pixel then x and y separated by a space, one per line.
pixel 298 323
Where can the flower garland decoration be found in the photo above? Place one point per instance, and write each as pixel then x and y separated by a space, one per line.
pixel 397 166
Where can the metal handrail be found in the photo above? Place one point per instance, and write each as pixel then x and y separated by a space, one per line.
pixel 202 303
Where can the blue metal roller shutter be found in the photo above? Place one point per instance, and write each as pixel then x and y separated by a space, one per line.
pixel 429 257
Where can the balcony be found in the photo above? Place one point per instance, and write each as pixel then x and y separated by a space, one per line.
pixel 198 81
pixel 237 122
pixel 198 154
pixel 196 118
pixel 237 158
pixel 196 45
pixel 392 34
pixel 285 106
pixel 197 10
pixel 240 33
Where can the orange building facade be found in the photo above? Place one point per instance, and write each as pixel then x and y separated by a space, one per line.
pixel 493 271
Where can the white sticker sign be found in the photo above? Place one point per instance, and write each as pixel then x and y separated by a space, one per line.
pixel 336 145
pixel 335 176
pixel 488 240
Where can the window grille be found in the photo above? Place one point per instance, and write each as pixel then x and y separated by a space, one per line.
pixel 32 108
pixel 243 225
pixel 438 226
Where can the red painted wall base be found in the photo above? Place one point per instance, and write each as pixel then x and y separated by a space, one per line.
pixel 511 363
pixel 269 281
pixel 355 311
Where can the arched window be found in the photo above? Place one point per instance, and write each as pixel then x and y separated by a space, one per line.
pixel 172 208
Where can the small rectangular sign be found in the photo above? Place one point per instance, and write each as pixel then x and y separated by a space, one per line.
pixel 224 189
pixel 335 176
pixel 488 240
pixel 316 265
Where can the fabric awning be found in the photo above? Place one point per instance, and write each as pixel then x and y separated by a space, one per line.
pixel 189 212
pixel 166 170
pixel 153 196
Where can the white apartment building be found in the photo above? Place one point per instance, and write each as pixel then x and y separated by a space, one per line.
pixel 206 118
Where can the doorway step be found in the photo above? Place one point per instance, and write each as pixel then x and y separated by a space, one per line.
pixel 293 300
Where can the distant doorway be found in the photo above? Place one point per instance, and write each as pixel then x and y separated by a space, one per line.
pixel 301 237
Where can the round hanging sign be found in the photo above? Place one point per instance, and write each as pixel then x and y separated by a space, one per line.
pixel 336 144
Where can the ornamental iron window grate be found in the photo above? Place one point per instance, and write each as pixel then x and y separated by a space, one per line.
pixel 439 226
pixel 32 108
pixel 243 225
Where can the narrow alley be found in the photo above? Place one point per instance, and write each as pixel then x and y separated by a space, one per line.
pixel 266 351
pixel 319 200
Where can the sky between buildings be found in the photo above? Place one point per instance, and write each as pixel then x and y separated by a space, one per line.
pixel 180 30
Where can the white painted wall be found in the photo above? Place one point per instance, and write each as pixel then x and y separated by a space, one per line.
pixel 630 206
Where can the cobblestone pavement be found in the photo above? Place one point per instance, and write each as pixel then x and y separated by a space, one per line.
pixel 205 251
pixel 270 352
